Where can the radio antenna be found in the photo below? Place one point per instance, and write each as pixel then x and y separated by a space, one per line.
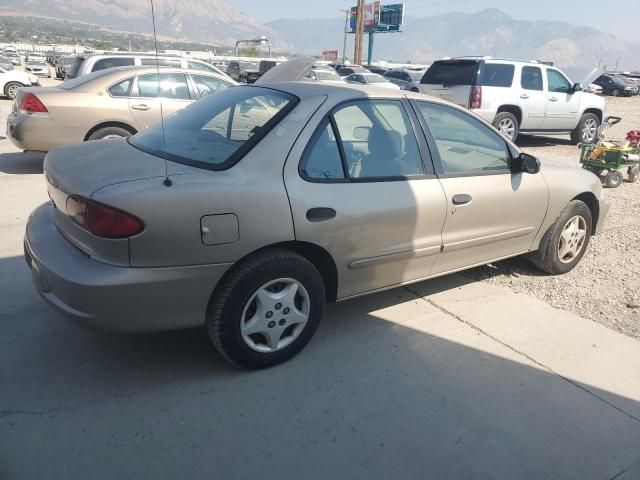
pixel 167 180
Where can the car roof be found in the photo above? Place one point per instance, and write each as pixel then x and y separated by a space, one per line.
pixel 490 59
pixel 110 75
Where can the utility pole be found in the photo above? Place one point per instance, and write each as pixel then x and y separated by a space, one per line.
pixel 357 54
pixel 617 62
pixel 346 30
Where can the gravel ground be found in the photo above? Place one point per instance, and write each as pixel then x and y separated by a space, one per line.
pixel 605 286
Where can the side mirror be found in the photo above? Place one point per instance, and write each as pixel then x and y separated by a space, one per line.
pixel 577 87
pixel 525 163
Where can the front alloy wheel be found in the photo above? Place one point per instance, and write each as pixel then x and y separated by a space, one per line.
pixel 571 241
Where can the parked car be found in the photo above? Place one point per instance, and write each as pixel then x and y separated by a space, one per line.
pixel 13 56
pixel 62 65
pixel 38 67
pixel 376 69
pixel 372 79
pixel 593 88
pixel 517 96
pixel 405 79
pixel 247 224
pixel 88 63
pixel 633 82
pixel 109 103
pixel 12 80
pixel 350 70
pixel 6 63
pixel 326 75
pixel 236 68
pixel 250 72
pixel 614 86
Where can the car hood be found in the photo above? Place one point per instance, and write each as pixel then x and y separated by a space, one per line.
pixel 293 70
pixel 88 167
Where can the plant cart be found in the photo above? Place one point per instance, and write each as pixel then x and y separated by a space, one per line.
pixel 610 159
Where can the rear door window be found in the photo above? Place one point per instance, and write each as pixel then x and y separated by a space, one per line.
pixel 322 160
pixel 497 75
pixel 531 78
pixel 105 63
pixel 121 89
pixel 451 72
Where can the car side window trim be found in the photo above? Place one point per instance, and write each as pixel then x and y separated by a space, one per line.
pixel 435 154
pixel 423 148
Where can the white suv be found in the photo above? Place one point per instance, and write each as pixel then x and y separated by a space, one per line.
pixel 517 96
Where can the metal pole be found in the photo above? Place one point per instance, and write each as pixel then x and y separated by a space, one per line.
pixel 617 62
pixel 370 50
pixel 346 28
pixel 357 54
pixel 237 46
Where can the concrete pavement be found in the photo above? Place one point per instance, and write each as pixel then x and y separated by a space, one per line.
pixel 445 379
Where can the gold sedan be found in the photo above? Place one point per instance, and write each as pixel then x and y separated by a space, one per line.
pixel 117 102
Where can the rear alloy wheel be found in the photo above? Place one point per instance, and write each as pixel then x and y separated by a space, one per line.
pixel 633 173
pixel 109 132
pixel 613 179
pixel 266 309
pixel 11 89
pixel 615 92
pixel 507 124
pixel 566 241
pixel 587 130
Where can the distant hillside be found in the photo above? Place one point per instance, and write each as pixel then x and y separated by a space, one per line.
pixel 490 32
pixel 211 21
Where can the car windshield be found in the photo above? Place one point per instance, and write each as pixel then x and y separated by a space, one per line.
pixel 215 132
pixel 327 75
pixel 376 79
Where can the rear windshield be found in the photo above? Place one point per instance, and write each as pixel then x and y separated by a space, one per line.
pixel 496 75
pixel 217 131
pixel 78 81
pixel 451 72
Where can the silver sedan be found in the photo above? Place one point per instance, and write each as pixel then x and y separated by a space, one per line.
pixel 255 206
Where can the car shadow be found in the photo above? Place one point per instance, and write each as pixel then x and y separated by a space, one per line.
pixel 541 141
pixel 21 163
pixel 390 384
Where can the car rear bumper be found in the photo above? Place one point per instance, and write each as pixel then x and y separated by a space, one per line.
pixel 109 298
pixel 39 132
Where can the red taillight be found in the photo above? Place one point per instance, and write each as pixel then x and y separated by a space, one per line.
pixel 102 220
pixel 32 104
pixel 475 99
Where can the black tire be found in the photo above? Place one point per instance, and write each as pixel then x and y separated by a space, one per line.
pixel 633 173
pixel 506 116
pixel 546 258
pixel 415 90
pixel 109 132
pixel 11 89
pixel 613 179
pixel 576 135
pixel 224 314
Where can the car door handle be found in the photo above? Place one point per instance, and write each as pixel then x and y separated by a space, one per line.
pixel 462 199
pixel 524 96
pixel 141 106
pixel 320 214
pixel 553 99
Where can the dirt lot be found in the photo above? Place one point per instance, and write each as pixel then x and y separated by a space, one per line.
pixel 605 287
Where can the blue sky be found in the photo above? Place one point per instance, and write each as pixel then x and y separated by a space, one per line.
pixel 621 21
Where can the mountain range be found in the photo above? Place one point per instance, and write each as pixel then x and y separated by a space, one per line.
pixel 423 39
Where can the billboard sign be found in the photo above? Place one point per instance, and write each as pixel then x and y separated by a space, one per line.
pixel 330 55
pixel 377 17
